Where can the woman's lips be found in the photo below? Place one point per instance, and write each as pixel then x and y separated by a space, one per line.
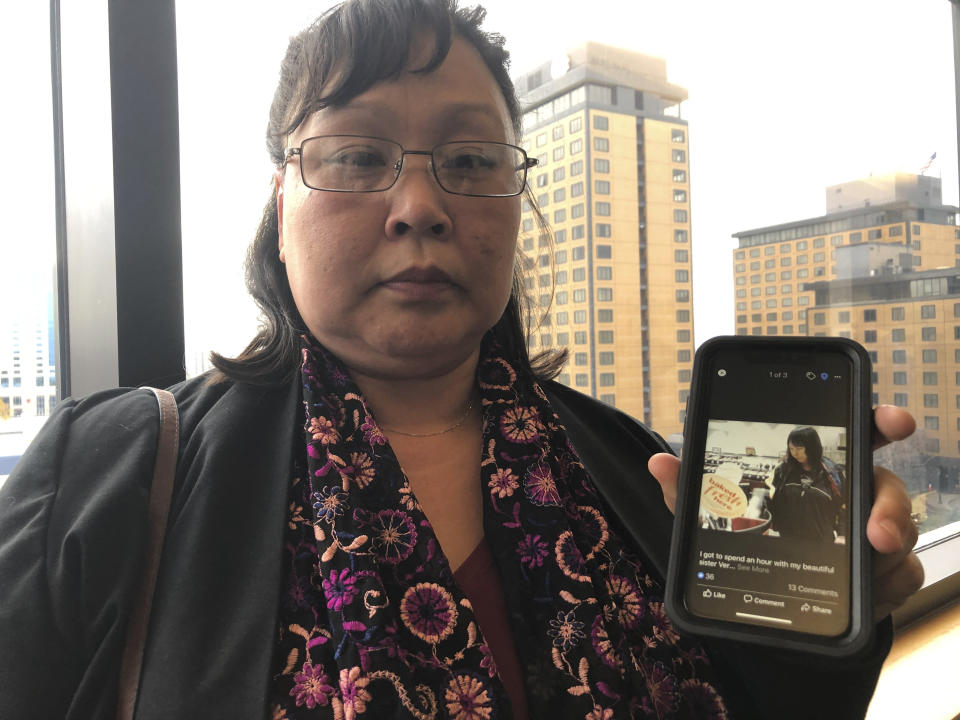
pixel 420 283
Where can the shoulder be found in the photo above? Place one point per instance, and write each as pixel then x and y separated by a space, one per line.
pixel 596 422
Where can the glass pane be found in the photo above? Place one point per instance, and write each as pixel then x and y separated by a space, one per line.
pixel 28 378
pixel 788 131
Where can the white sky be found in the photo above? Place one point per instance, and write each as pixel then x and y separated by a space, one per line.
pixel 781 105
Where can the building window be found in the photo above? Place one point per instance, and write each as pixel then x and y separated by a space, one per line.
pixel 680 216
pixel 601 165
pixel 869 315
pixel 899 357
pixel 679 175
pixel 930 378
pixel 576 124
pixel 819 319
pixel 579 274
pixel 683 336
pixel 605 337
pixel 576 146
pixel 928 312
pixel 874 234
pixel 931 400
pixel 541 182
pixel 541 139
pixel 576 190
pixel 683 296
pixel 681 275
pixel 900 399
pixel 928 334
pixel 899 378
pixel 604 252
pixel 559 236
pixel 559 173
pixel 607 379
pixel 561 278
pixel 679 156
pixel 580 358
pixel 603 230
pixel 577 211
pixel 576 167
pixel 601 122
pixel 680 236
pixel 560 215
pixel 601 187
pixel 678 135
pixel 604 316
pixel 679 195
pixel 604 294
pixel 605 358
pixel 604 272
pixel 870 336
pixel 929 356
pixel 897 313
pixel 601 143
pixel 560 194
pixel 558 153
pixel 578 253
pixel 580 379
pixel 603 209
pixel 681 256
pixel 683 356
pixel 579 296
pixel 683 316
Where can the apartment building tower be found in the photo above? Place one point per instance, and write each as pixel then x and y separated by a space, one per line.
pixel 613 182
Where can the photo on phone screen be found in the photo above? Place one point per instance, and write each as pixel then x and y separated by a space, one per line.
pixel 771 539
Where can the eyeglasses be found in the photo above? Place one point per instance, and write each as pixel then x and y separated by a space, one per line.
pixel 354 163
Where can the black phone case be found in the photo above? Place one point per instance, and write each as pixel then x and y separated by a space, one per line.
pixel 860 630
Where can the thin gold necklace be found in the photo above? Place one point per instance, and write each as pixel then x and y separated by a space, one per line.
pixel 453 427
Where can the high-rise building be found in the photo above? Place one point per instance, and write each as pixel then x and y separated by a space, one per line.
pixel 612 179
pixel 27 352
pixel 900 216
pixel 881 267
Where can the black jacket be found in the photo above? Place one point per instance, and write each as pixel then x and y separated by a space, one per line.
pixel 805 505
pixel 72 524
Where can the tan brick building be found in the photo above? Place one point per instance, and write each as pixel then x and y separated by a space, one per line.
pixel 613 181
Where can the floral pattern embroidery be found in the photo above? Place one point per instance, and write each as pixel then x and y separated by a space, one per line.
pixel 372 623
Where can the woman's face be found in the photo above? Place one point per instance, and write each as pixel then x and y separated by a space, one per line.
pixel 799 453
pixel 405 282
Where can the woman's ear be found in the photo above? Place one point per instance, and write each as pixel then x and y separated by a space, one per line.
pixel 278 188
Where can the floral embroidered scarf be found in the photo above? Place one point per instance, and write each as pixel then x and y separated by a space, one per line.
pixel 373 624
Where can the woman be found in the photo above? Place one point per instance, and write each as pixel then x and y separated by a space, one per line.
pixel 305 574
pixel 807 500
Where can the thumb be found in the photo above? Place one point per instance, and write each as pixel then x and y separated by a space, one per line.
pixel 666 469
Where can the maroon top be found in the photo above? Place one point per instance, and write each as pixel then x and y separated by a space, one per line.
pixel 479 580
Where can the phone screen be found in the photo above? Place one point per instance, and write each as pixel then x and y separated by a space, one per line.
pixel 772 545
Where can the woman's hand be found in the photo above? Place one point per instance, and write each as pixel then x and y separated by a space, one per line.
pixel 897 572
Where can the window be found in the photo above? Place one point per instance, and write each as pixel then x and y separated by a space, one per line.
pixel 931 400
pixel 579 274
pixel 558 132
pixel 929 356
pixel 576 167
pixel 679 175
pixel 601 143
pixel 580 358
pixel 603 209
pixel 679 156
pixel 576 146
pixel 562 318
pixel 577 211
pixel 541 139
pixel 605 337
pixel 558 174
pixel 560 236
pixel 601 122
pixel 679 195
pixel 578 253
pixel 899 357
pixel 684 376
pixel 561 278
pixel 576 190
pixel 560 256
pixel 680 236
pixel 560 215
pixel 683 296
pixel 870 336
pixel 899 378
pixel 606 379
pixel 819 318
pixel 682 275
pixel 576 124
pixel 601 165
pixel 558 153
pixel 603 230
pixel 601 187
pixel 683 316
pixel 580 296
pixel 898 335
pixel 683 356
pixel 605 358
pixel 928 312
pixel 604 272
pixel 930 378
pixel 604 316
pixel 928 334
pixel 681 256
pixel 900 399
pixel 678 136
pixel 683 336
pixel 579 316
pixel 604 294
pixel 541 182
pixel 869 315
pixel 680 216
pixel 580 380
pixel 897 313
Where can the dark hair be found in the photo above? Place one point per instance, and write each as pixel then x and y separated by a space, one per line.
pixel 809 440
pixel 345 52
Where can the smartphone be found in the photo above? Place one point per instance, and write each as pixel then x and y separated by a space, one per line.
pixel 769 540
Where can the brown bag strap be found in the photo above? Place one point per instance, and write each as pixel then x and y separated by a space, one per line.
pixel 161 492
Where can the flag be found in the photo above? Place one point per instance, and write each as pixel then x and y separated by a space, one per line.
pixel 929 163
